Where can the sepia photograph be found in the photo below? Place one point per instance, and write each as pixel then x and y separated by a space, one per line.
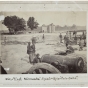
pixel 46 42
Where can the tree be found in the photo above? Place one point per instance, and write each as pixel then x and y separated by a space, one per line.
pixel 32 23
pixel 14 23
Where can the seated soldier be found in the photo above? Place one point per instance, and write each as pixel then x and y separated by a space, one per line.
pixel 37 59
pixel 69 49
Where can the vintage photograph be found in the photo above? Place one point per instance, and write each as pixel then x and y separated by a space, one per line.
pixel 43 42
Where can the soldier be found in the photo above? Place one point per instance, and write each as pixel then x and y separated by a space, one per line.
pixel 80 45
pixel 43 37
pixel 69 49
pixel 60 36
pixel 84 38
pixel 83 34
pixel 29 52
pixel 37 59
pixel 65 39
pixel 5 40
pixel 75 38
pixel 33 50
pixel 84 42
pixel 33 40
pixel 70 34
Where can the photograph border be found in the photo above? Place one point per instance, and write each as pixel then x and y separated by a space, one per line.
pixel 49 79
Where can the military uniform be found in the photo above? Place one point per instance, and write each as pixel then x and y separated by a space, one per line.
pixel 33 51
pixel 33 40
pixel 69 49
pixel 65 39
pixel 80 45
pixel 29 52
pixel 37 59
pixel 60 38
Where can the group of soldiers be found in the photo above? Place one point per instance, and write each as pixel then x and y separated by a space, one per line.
pixel 31 52
pixel 66 40
pixel 33 58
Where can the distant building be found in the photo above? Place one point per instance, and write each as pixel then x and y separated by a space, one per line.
pixel 48 29
pixel 52 28
pixel 44 28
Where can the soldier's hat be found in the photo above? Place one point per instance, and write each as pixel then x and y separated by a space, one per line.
pixel 37 54
pixel 29 43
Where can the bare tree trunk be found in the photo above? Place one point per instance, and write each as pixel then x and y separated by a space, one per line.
pixel 9 30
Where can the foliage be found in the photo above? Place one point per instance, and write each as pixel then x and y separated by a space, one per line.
pixel 14 23
pixel 32 23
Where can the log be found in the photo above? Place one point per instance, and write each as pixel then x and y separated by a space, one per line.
pixel 75 64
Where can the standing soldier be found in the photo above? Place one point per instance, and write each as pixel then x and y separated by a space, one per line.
pixel 29 52
pixel 65 39
pixel 84 42
pixel 5 40
pixel 33 40
pixel 84 38
pixel 75 38
pixel 70 34
pixel 43 37
pixel 80 44
pixel 33 50
pixel 60 36
pixel 83 34
pixel 67 34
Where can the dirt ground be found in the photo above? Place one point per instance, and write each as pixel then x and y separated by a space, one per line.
pixel 14 53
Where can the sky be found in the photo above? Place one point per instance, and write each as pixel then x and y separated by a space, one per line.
pixel 69 18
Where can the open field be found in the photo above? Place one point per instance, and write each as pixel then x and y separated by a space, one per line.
pixel 14 52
